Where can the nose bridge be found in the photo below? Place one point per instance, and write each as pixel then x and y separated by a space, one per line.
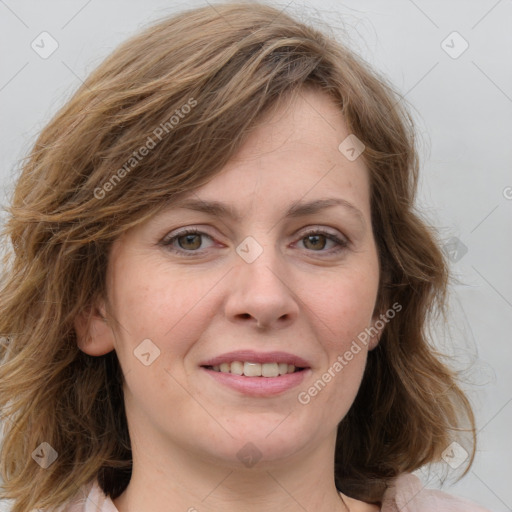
pixel 260 262
pixel 259 288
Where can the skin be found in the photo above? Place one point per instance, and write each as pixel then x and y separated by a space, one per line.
pixel 298 296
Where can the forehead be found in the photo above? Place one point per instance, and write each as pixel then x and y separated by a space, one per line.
pixel 309 117
pixel 293 153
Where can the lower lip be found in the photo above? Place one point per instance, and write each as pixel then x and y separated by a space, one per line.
pixel 259 386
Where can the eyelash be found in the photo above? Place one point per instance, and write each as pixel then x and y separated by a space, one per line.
pixel 167 242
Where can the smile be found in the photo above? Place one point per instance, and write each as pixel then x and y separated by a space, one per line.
pixel 249 369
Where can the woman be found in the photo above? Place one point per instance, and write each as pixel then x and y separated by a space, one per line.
pixel 218 290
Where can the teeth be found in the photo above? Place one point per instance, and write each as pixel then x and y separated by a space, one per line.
pixel 269 370
pixel 255 369
pixel 252 369
pixel 283 368
pixel 237 368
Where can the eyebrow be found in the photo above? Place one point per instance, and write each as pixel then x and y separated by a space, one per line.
pixel 297 209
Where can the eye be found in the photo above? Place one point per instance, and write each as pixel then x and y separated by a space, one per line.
pixel 317 239
pixel 186 241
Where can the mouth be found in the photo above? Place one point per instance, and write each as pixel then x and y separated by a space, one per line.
pixel 253 369
pixel 257 374
pixel 250 363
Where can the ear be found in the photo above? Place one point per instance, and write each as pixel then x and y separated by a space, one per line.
pixel 93 333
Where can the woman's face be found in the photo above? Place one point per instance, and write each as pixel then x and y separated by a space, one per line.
pixel 265 277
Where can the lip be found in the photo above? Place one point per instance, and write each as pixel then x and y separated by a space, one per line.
pixel 259 386
pixel 257 357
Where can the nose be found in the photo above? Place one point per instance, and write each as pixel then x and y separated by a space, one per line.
pixel 262 294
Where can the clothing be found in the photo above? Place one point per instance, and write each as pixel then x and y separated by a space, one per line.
pixel 406 495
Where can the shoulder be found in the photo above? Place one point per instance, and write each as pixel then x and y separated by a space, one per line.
pixel 408 494
pixel 89 498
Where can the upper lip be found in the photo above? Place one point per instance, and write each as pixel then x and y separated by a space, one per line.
pixel 257 357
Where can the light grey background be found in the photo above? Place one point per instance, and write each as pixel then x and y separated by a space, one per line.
pixel 463 108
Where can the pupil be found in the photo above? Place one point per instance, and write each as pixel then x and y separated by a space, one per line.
pixel 189 240
pixel 315 239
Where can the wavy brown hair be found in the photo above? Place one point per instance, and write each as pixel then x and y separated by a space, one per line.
pixel 235 63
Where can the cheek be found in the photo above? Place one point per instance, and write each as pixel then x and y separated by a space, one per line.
pixel 344 314
pixel 151 303
pixel 347 310
pixel 345 304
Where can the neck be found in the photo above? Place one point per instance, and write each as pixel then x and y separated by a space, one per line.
pixel 181 481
